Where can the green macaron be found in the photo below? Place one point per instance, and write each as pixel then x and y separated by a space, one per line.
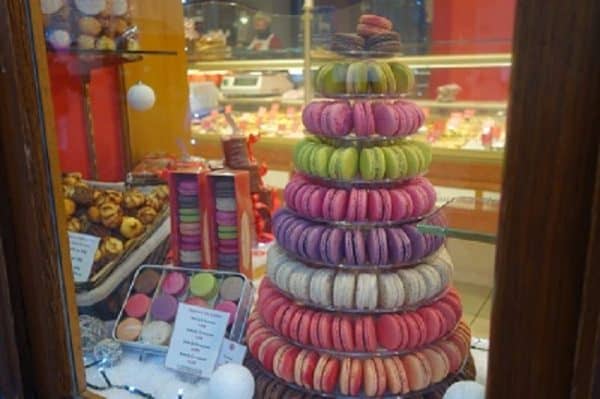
pixel 412 159
pixel 188 212
pixel 319 162
pixel 405 79
pixel 389 77
pixel 372 163
pixel 343 163
pixel 377 80
pixel 189 218
pixel 227 232
pixel 357 78
pixel 425 150
pixel 395 162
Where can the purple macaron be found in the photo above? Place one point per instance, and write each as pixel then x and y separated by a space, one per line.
pixel 164 307
pixel 377 246
pixel 226 218
pixel 417 242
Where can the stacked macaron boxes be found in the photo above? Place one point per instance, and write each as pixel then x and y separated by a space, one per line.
pixel 358 301
pixel 147 317
pixel 190 218
pixel 211 220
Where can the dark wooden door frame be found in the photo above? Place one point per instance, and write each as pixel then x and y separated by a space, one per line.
pixel 41 283
pixel 10 365
pixel 547 288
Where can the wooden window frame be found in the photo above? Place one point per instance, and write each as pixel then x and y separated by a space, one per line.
pixel 545 339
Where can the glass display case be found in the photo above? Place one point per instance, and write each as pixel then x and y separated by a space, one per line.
pixel 306 191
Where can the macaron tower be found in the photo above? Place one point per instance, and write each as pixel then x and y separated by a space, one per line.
pixel 357 301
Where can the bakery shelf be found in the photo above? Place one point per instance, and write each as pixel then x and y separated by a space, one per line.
pixel 261 100
pixel 83 61
pixel 426 61
pixel 462 105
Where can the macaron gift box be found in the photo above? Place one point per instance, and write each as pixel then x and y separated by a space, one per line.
pixel 190 220
pixel 232 221
pixel 148 313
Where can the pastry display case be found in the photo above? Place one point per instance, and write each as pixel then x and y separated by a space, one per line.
pixel 461 72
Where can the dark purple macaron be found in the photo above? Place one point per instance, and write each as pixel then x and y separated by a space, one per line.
pixel 335 246
pixel 360 247
pixel 417 242
pixel 377 246
pixel 349 247
pixel 323 244
pixel 347 43
pixel 313 242
pixel 396 244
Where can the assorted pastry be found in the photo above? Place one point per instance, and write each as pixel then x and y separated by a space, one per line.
pixel 265 123
pixel 150 309
pixel 89 24
pixel 118 218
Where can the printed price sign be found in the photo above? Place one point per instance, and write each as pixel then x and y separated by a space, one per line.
pixel 83 248
pixel 197 339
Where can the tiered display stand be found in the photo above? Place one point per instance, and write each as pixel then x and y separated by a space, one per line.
pixel 357 323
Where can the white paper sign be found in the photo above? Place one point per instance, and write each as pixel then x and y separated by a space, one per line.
pixel 83 248
pixel 231 352
pixel 196 340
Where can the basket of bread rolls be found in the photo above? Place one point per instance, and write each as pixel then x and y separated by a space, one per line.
pixel 123 218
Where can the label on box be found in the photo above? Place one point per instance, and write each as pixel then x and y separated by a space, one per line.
pixel 83 248
pixel 231 352
pixel 197 339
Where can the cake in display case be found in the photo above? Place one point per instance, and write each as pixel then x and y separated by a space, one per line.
pixel 358 301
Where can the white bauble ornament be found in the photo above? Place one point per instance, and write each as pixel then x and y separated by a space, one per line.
pixel 59 39
pixel 141 97
pixel 231 381
pixel 465 390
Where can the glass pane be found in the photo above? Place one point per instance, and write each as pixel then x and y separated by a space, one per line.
pixel 224 178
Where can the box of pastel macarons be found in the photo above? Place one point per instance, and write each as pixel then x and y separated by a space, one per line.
pixel 148 315
pixel 190 218
pixel 232 230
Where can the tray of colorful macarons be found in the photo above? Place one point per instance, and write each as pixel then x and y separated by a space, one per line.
pixel 148 314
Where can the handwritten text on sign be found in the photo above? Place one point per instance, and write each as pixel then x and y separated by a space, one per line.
pixel 83 248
